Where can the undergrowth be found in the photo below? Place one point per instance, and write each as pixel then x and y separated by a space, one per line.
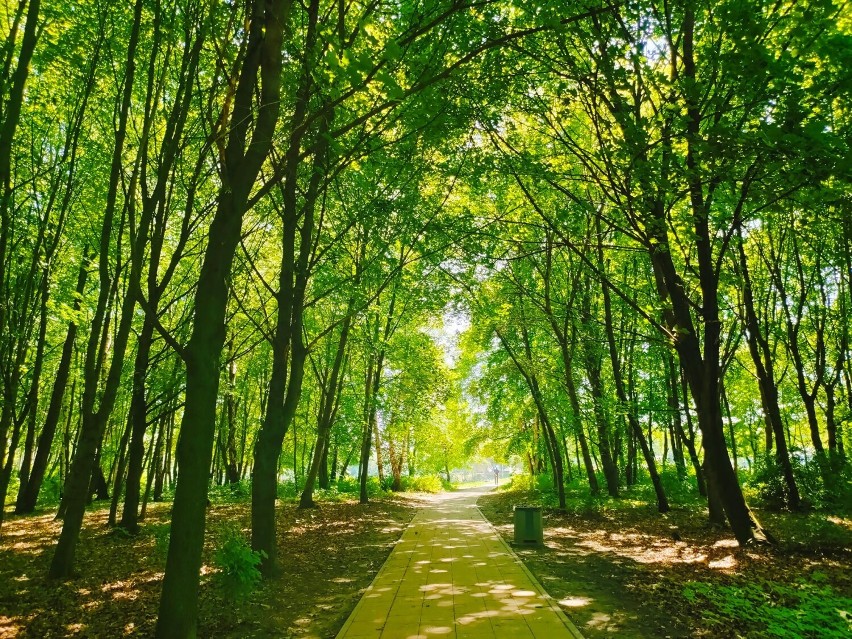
pixel 808 608
pixel 238 564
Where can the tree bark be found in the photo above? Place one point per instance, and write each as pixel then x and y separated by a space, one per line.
pixel 244 157
pixel 94 419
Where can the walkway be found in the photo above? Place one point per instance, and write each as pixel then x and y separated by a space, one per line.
pixel 452 576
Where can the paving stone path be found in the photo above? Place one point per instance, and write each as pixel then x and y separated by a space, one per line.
pixel 452 576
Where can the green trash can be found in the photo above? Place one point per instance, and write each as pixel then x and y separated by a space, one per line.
pixel 528 527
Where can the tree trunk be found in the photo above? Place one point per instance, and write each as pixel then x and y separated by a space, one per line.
pixel 761 356
pixel 178 610
pixel 621 394
pixel 293 279
pixel 138 428
pixel 94 419
pixel 593 374
pixel 232 471
pixel 579 429
pixel 326 411
pixel 121 467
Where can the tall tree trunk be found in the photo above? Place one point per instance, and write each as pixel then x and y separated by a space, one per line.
pixel 579 429
pixel 244 157
pixel 561 331
pixel 621 394
pixel 138 427
pixel 687 436
pixel 232 471
pixel 675 420
pixel 288 342
pixel 160 459
pixel 761 357
pixel 326 411
pixel 94 419
pixel 121 467
pixel 550 440
pixel 591 359
pixel 295 276
pixel 373 384
pixel 11 115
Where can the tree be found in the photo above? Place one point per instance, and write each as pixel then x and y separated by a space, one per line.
pixel 247 131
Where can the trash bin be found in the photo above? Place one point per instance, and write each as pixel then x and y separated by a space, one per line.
pixel 528 528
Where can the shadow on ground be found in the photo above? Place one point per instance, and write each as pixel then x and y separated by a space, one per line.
pixel 623 573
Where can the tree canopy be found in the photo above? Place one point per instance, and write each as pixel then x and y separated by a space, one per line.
pixel 257 241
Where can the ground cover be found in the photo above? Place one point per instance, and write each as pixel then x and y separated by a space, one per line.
pixel 331 554
pixel 618 568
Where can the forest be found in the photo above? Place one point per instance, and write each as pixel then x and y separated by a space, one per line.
pixel 257 251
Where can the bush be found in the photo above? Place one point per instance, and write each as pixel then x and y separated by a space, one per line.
pixel 678 491
pixel 422 484
pixel 350 486
pixel 767 482
pixel 237 563
pixel 160 533
pixel 522 482
pixel 287 490
pixel 229 493
pixel 527 482
pixel 51 490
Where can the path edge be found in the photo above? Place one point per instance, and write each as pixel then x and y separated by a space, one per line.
pixel 345 628
pixel 550 601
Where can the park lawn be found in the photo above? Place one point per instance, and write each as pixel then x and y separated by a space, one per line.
pixel 329 554
pixel 616 569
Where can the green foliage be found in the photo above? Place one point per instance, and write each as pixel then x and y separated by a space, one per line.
pixel 525 482
pixel 230 493
pixel 423 484
pixel 50 493
pixel 767 483
pixel 678 491
pixel 521 482
pixel 161 534
pixel 807 608
pixel 287 490
pixel 238 564
pixel 350 486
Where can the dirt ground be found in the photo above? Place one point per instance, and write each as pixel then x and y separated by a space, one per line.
pixel 622 573
pixel 330 554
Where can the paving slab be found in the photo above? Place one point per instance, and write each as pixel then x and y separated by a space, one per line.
pixel 452 576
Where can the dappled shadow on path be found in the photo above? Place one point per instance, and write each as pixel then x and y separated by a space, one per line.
pixel 450 575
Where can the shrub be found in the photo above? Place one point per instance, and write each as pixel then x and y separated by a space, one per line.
pixel 51 490
pixel 767 482
pixel 524 482
pixel 678 491
pixel 422 484
pixel 160 533
pixel 237 563
pixel 350 486
pixel 544 482
pixel 230 493
pixel 287 489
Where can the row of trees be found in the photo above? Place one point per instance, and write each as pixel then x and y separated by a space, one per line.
pixel 680 258
pixel 221 224
pixel 229 231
